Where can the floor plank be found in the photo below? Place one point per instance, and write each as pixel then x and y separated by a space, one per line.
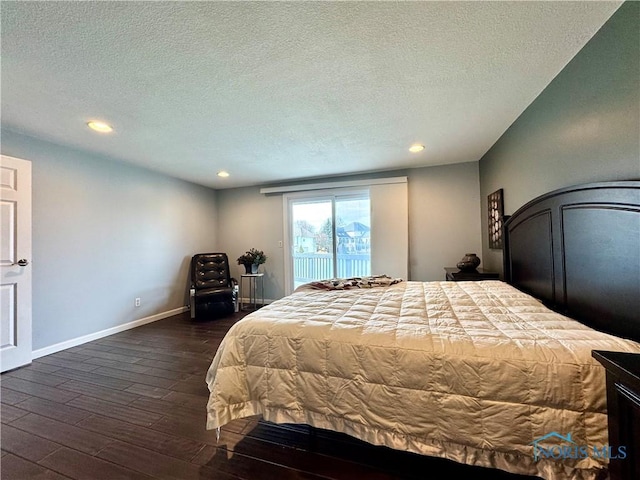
pixel 61 362
pixel 9 413
pixel 171 445
pixel 25 444
pixel 11 397
pixel 16 468
pixel 147 391
pixel 38 390
pixel 39 377
pixel 56 411
pixel 114 410
pixel 142 378
pixel 133 406
pixel 43 367
pixel 149 462
pixel 95 378
pixel 130 367
pixel 122 397
pixel 81 466
pixel 62 433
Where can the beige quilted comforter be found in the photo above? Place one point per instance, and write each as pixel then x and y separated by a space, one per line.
pixel 470 371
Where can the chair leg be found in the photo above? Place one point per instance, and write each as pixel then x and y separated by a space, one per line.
pixel 192 302
pixel 236 306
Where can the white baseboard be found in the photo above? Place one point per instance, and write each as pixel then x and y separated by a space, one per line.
pixel 74 342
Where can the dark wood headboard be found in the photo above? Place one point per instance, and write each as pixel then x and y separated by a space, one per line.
pixel 578 250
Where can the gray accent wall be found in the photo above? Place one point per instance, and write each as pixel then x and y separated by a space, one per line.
pixel 105 233
pixel 584 127
pixel 444 222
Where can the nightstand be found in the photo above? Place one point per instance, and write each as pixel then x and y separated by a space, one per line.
pixel 455 275
pixel 623 411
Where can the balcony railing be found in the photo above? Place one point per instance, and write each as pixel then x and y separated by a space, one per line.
pixel 308 267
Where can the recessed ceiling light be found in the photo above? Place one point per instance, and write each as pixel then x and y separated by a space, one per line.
pixel 99 126
pixel 416 148
pixel 223 174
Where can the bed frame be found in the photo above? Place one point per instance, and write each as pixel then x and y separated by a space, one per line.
pixel 577 249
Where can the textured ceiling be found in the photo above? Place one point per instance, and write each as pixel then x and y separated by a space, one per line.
pixel 276 91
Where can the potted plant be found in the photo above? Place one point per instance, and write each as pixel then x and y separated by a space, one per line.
pixel 251 259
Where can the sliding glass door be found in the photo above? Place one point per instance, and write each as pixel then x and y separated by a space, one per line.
pixel 329 236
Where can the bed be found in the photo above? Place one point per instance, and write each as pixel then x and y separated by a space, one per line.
pixel 485 373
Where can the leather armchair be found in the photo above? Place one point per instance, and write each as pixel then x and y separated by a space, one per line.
pixel 213 292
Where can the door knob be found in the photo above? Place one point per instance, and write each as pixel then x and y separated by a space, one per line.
pixel 23 262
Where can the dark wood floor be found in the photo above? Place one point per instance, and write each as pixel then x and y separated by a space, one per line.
pixel 132 406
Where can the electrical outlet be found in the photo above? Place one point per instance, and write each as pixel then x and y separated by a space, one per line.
pixel 280 243
pixel 137 301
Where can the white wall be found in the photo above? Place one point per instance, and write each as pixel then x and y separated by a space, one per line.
pixel 105 233
pixel 444 218
pixel 248 219
pixel 444 222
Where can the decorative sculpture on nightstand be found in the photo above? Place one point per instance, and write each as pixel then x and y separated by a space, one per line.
pixel 469 262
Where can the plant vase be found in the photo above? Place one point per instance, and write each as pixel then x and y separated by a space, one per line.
pixel 254 268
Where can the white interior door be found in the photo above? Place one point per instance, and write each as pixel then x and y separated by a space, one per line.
pixel 15 258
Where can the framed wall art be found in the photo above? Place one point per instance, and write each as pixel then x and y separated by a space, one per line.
pixel 496 212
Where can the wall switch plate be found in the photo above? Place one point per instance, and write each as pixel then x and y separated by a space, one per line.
pixel 280 243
